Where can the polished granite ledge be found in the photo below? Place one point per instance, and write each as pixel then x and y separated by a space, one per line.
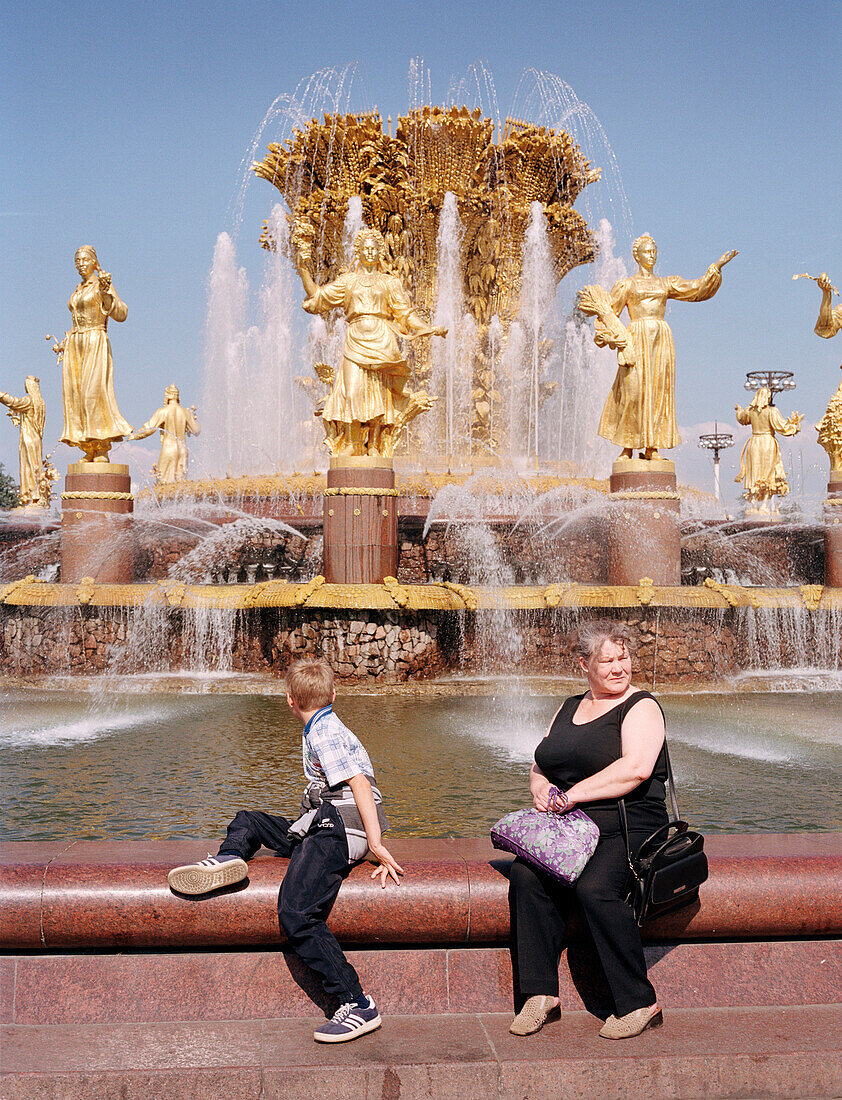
pixel 61 895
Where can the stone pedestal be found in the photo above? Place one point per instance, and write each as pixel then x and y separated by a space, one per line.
pixel 644 539
pixel 360 521
pixel 833 531
pixel 97 535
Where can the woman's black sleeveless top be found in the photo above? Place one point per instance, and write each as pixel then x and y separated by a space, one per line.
pixel 570 753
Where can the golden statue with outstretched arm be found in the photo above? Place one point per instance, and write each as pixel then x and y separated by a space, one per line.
pixel 829 320
pixel 92 420
pixel 761 465
pixel 640 411
pixel 175 423
pixel 368 404
pixel 29 414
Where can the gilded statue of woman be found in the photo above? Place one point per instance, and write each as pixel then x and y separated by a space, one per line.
pixel 830 320
pixel 640 411
pixel 92 420
pixel 175 423
pixel 368 403
pixel 761 466
pixel 29 415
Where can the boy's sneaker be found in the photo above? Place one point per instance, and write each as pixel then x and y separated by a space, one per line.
pixel 349 1022
pixel 210 874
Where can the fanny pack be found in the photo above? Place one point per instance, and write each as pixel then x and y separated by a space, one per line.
pixel 341 797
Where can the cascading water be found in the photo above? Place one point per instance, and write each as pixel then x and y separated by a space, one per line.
pixel 225 394
pixel 446 431
pixel 536 299
pixel 354 223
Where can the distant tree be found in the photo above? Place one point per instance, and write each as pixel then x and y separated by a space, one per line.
pixel 8 490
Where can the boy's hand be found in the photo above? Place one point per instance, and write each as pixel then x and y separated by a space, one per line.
pixel 389 867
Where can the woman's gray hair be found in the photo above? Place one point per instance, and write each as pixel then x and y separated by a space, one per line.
pixel 593 635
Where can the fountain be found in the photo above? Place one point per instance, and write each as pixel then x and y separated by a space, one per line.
pixel 496 534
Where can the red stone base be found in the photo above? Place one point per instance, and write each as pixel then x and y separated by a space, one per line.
pixel 644 537
pixel 97 533
pixel 360 529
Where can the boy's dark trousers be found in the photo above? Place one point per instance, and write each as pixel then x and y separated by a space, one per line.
pixel 317 866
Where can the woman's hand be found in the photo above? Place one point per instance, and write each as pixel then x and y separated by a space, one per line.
pixel 557 801
pixel 726 258
pixel 539 785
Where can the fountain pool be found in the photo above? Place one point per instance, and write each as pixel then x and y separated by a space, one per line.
pixel 148 759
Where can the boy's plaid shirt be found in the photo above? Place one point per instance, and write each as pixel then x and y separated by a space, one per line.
pixel 331 753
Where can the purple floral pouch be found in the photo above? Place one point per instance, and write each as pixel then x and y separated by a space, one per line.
pixel 557 844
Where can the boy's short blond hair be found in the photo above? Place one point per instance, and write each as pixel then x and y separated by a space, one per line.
pixel 310 683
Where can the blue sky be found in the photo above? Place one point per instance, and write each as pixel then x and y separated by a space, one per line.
pixel 125 126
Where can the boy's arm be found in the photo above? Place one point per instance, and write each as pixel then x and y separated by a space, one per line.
pixel 389 868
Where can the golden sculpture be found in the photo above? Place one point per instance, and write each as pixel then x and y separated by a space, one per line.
pixel 29 415
pixel 402 181
pixel 92 420
pixel 640 411
pixel 761 465
pixel 829 320
pixel 830 430
pixel 368 405
pixel 175 424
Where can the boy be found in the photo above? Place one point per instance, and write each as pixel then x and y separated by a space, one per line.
pixel 341 821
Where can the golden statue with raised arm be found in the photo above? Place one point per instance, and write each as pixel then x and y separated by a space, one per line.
pixel 761 465
pixel 829 320
pixel 368 405
pixel 29 415
pixel 92 420
pixel 175 424
pixel 640 411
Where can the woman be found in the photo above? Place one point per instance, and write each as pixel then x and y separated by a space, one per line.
pixel 640 410
pixel 601 746
pixel 92 420
pixel 368 395
pixel 761 464
pixel 29 414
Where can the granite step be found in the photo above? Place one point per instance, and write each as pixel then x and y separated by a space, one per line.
pixel 794 1051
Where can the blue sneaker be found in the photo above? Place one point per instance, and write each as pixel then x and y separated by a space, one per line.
pixel 349 1022
pixel 209 874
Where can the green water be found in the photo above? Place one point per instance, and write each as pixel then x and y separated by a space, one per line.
pixel 135 761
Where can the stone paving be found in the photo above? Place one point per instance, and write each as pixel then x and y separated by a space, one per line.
pixel 756 1052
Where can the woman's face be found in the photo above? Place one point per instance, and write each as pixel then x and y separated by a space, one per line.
pixel 647 253
pixel 85 263
pixel 609 669
pixel 370 251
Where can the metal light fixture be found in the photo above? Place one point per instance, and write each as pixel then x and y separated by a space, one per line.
pixel 716 441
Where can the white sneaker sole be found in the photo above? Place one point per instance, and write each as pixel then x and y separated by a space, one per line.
pixel 195 879
pixel 372 1025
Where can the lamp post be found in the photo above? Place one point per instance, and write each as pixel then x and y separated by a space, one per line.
pixel 775 381
pixel 716 441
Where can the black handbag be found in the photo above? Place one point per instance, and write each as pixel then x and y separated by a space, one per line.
pixel 669 867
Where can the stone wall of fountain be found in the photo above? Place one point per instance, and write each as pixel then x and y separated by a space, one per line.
pixel 674 645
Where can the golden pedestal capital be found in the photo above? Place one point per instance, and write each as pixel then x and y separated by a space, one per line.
pixel 98 468
pixel 643 466
pixel 360 462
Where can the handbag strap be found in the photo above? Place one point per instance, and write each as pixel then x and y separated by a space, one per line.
pixel 621 803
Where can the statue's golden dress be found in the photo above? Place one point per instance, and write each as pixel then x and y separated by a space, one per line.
pixel 761 465
pixel 370 381
pixel 29 416
pixel 640 410
pixel 90 407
